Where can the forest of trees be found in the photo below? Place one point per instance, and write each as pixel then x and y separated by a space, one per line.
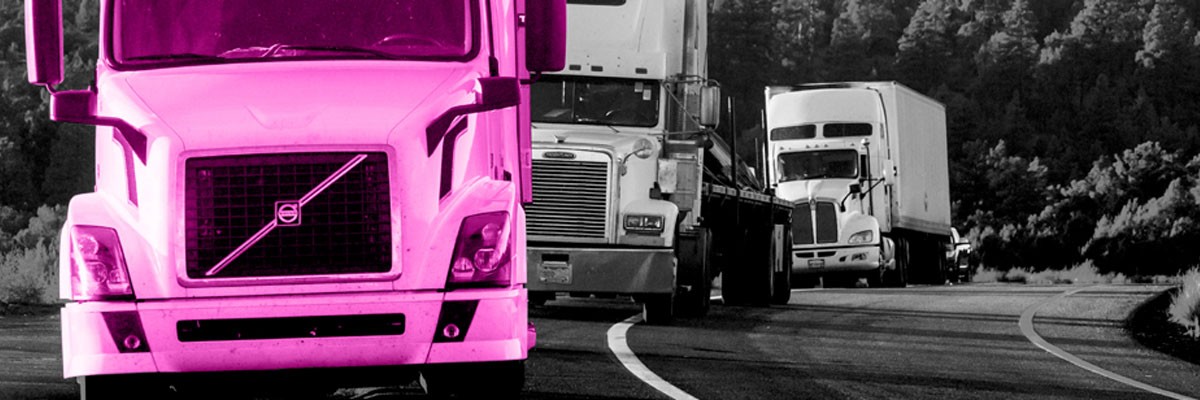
pixel 1073 123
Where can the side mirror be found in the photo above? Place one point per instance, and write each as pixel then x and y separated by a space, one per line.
pixel 498 92
pixel 545 35
pixel 710 106
pixel 77 106
pixel 44 42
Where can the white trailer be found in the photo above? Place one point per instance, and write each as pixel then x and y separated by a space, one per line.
pixel 866 164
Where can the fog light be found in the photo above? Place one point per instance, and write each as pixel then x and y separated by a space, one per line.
pixel 451 331
pixel 132 342
pixel 858 257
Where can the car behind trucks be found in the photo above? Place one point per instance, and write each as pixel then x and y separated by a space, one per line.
pixel 634 195
pixel 285 189
pixel 866 164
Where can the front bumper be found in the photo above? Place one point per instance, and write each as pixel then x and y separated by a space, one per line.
pixel 815 261
pixel 601 270
pixel 498 331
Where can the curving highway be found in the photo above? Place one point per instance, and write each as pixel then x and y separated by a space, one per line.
pixel 962 342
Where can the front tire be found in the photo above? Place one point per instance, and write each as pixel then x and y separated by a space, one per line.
pixel 495 380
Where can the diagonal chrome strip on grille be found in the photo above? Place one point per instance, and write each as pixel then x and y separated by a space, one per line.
pixel 271 225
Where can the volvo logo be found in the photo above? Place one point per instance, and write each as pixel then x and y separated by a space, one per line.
pixel 287 213
pixel 562 155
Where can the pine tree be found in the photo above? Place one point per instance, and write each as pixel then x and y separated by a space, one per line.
pixel 1167 36
pixel 924 52
pixel 863 42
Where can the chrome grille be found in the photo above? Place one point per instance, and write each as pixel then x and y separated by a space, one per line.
pixel 825 230
pixel 826 222
pixel 345 229
pixel 802 228
pixel 570 200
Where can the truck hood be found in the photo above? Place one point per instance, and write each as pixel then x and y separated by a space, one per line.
pixel 800 191
pixel 620 143
pixel 272 104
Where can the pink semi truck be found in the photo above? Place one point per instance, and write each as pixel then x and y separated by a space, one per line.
pixel 300 187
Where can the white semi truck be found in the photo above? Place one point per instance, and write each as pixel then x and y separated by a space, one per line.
pixel 297 190
pixel 866 164
pixel 632 192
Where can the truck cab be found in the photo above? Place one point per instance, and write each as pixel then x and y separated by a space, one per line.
pixel 285 188
pixel 866 165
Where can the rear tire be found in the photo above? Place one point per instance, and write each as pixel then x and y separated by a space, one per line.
pixel 781 257
pixel 658 309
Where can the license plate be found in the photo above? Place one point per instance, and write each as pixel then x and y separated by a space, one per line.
pixel 555 272
pixel 816 263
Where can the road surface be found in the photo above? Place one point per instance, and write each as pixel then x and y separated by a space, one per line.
pixel 960 342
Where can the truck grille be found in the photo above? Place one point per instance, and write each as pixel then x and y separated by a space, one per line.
pixel 825 230
pixel 346 229
pixel 570 200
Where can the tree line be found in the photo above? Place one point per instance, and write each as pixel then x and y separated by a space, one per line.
pixel 1072 123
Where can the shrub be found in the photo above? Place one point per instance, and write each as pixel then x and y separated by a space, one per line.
pixel 1185 306
pixel 30 274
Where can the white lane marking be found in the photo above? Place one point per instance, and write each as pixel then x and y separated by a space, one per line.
pixel 1027 329
pixel 617 344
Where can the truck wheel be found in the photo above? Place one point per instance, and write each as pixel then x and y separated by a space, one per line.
pixel 539 299
pixel 692 257
pixel 898 277
pixel 781 258
pixel 121 386
pixel 495 380
pixel 783 288
pixel 658 309
pixel 875 278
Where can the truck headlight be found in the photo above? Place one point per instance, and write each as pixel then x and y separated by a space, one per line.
pixel 98 270
pixel 481 254
pixel 644 223
pixel 862 237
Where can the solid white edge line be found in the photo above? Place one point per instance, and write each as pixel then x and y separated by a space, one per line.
pixel 1027 329
pixel 619 348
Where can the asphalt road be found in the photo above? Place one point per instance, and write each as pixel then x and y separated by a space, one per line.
pixel 919 342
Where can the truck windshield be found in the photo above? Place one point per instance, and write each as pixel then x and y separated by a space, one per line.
pixel 825 164
pixel 576 100
pixel 153 32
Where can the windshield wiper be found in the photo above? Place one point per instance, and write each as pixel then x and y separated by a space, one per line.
pixel 174 56
pixel 594 121
pixel 340 49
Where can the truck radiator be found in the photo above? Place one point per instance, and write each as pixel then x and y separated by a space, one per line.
pixel 570 201
pixel 823 231
pixel 345 229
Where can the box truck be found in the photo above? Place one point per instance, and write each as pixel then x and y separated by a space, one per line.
pixel 290 188
pixel 633 193
pixel 866 164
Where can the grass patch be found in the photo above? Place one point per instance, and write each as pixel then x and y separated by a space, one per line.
pixel 1082 274
pixel 1185 305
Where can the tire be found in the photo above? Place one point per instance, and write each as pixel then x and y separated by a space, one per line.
pixel 539 299
pixel 781 256
pixel 101 387
pixel 495 380
pixel 783 288
pixel 749 281
pixel 658 309
pixel 875 278
pixel 692 257
pixel 898 277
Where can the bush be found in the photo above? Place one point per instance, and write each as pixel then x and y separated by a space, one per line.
pixel 1185 306
pixel 29 259
pixel 30 275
